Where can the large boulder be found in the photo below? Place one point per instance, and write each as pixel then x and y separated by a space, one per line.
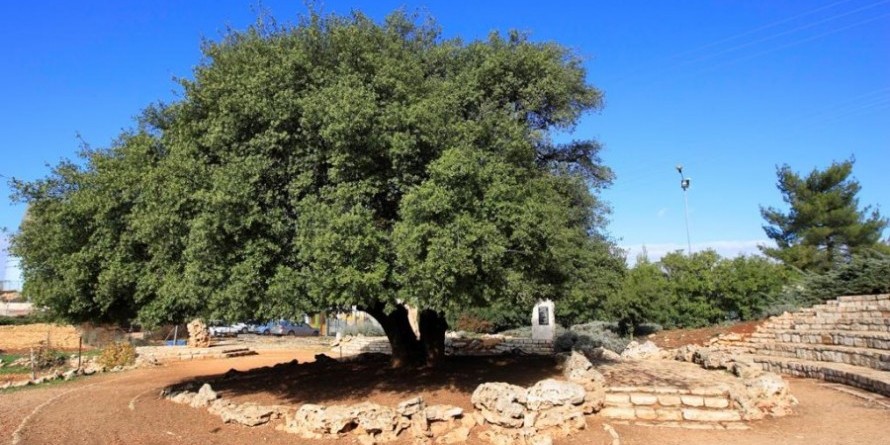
pixel 645 351
pixel 578 369
pixel 500 403
pixel 550 393
pixel 765 394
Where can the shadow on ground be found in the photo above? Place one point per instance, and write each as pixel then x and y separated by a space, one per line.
pixel 330 381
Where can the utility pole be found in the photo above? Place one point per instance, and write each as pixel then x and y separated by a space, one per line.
pixel 684 184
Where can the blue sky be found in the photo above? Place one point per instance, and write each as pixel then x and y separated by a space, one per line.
pixel 730 89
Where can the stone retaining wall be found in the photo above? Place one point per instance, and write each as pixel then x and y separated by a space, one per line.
pixel 846 341
pixel 179 353
pixel 453 346
pixel 33 335
pixel 666 406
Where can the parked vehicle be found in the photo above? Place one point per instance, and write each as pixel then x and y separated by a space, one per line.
pixel 285 327
pixel 232 330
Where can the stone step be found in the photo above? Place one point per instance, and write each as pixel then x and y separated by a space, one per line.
pixel 871 324
pixel 237 352
pixel 865 357
pixel 659 405
pixel 858 376
pixel 859 339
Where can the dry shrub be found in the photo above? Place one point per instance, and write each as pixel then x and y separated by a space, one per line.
pixel 471 323
pixel 117 354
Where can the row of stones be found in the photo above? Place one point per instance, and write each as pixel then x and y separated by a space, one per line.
pixel 856 357
pixel 878 324
pixel 689 425
pixel 670 414
pixel 863 298
pixel 665 400
pixel 828 374
pixel 152 353
pixel 873 340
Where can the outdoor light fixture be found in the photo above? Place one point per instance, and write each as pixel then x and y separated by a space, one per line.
pixel 684 184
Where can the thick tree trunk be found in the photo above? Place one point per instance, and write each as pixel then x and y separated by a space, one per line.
pixel 406 348
pixel 432 335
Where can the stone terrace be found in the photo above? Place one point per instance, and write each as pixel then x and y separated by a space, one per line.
pixel 844 341
pixel 669 393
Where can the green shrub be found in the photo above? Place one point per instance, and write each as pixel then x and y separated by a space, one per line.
pixel 366 329
pixel 117 354
pixel 591 335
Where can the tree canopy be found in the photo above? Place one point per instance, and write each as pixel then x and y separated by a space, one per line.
pixel 332 163
pixel 696 290
pixel 824 225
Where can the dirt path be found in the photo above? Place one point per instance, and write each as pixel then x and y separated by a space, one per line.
pixel 124 409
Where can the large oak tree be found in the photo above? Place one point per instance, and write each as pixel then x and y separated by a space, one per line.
pixel 333 163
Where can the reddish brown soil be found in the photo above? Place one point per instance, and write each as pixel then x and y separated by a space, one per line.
pixel 124 408
pixel 675 338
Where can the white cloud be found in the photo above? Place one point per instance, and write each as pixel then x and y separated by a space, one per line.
pixel 726 248
pixel 661 212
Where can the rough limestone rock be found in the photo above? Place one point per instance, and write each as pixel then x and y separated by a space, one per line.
pixel 561 420
pixel 766 394
pixel 713 359
pixel 745 368
pixel 550 393
pixel 411 406
pixel 578 369
pixel 500 403
pixel 442 413
pixel 685 353
pixel 248 414
pixel 317 422
pixel 199 336
pixel 508 436
pixel 375 419
pixel 645 351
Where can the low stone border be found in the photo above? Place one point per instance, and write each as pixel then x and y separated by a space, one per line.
pixel 506 414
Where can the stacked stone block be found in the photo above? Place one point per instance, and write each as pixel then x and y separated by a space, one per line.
pixel 700 408
pixel 846 341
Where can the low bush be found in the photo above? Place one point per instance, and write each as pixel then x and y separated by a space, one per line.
pixel 117 354
pixel 471 323
pixel 591 335
pixel 366 329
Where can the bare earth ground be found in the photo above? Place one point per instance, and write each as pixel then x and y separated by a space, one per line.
pixel 124 408
pixel 675 338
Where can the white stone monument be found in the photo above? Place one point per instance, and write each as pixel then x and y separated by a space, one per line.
pixel 543 321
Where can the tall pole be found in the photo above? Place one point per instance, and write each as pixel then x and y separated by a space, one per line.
pixel 684 184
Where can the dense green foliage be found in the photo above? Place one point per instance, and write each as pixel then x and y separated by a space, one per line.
pixel 696 290
pixel 333 163
pixel 866 273
pixel 824 226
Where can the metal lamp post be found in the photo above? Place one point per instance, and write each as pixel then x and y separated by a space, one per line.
pixel 684 184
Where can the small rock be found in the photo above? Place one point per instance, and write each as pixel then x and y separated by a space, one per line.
pixel 443 412
pixel 411 406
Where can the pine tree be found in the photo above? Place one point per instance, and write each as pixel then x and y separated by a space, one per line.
pixel 824 225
